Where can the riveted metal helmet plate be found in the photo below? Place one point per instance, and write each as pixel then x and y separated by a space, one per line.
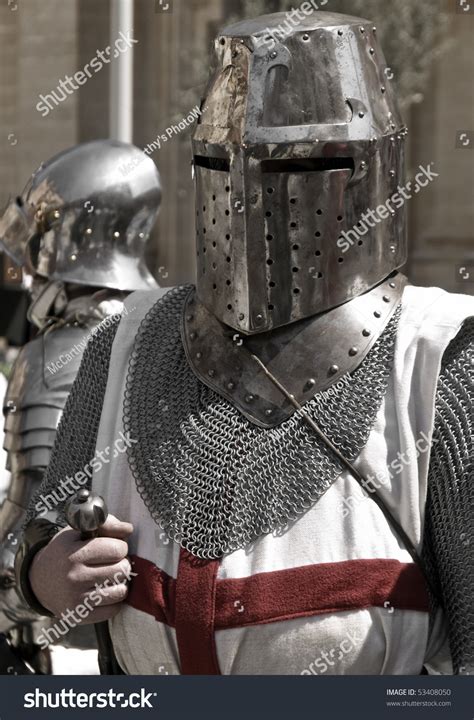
pixel 299 136
pixel 85 216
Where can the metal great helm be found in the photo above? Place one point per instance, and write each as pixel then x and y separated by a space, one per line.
pixel 299 136
pixel 85 215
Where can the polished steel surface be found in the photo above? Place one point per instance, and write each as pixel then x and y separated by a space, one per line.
pixel 93 207
pixel 299 136
pixel 307 357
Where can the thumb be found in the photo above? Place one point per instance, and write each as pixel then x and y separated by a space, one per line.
pixel 115 528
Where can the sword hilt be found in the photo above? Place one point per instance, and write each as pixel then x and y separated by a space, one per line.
pixel 86 512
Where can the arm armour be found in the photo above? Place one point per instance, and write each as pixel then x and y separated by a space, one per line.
pixel 449 523
pixel 74 448
pixel 36 395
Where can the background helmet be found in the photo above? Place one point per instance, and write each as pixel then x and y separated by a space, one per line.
pixel 299 136
pixel 85 217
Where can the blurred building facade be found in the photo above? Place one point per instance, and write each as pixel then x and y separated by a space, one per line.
pixel 42 42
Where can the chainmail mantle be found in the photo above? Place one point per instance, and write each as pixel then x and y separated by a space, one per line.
pixel 209 477
pixel 449 529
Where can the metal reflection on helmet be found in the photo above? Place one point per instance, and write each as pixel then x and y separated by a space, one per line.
pixel 299 136
pixel 85 217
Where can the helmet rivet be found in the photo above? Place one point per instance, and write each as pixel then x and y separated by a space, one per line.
pixel 259 319
pixel 393 249
pixel 392 173
pixel 273 55
pixel 192 336
pixel 353 351
pixel 386 298
pixel 230 386
pixel 198 356
pixel 374 29
pixel 340 32
pixel 249 398
pixel 377 314
pixel 141 235
pixel 89 231
pixel 116 234
pixel 362 30
pixel 366 333
pixel 363 165
pixel 241 316
pixel 310 383
pixel 392 284
pixel 189 318
pixel 383 88
pixel 333 369
pixel 73 258
pixel 371 51
pixel 269 411
pixel 56 214
pixel 361 114
pixel 211 373
pixel 306 37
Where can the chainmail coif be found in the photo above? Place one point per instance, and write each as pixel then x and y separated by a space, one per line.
pixel 449 531
pixel 209 477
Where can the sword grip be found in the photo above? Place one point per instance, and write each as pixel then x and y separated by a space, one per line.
pixel 86 512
